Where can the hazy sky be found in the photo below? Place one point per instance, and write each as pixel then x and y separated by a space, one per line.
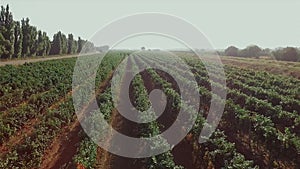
pixel 267 24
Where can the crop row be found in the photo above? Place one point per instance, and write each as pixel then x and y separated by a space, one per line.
pixel 86 154
pixel 251 98
pixel 259 108
pixel 164 160
pixel 26 82
pixel 284 141
pixel 230 155
pixel 29 153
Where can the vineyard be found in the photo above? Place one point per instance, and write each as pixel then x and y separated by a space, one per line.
pixel 260 126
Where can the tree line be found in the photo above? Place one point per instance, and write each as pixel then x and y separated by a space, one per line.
pixel 284 54
pixel 19 39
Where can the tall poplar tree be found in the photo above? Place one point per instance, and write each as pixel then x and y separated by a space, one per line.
pixel 33 40
pixel 64 44
pixel 26 37
pixel 71 44
pixel 18 40
pixel 80 44
pixel 7 33
pixel 56 46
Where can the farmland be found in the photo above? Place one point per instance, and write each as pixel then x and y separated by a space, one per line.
pixel 39 128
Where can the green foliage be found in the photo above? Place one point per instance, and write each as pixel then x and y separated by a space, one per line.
pixel 18 40
pixel 43 44
pixel 164 160
pixel 6 33
pixel 87 153
pixel 222 150
pixel 287 54
pixel 29 46
pixel 47 91
pixel 26 37
pixel 231 51
pixel 24 40
pixel 72 44
pixel 250 51
pixel 80 45
pixel 263 105
pixel 263 102
pixel 57 44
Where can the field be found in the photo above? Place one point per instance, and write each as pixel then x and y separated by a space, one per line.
pixel 291 69
pixel 260 126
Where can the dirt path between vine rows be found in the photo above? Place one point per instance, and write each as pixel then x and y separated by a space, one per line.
pixel 18 137
pixel 64 146
pixel 253 148
pixel 183 152
pixel 29 127
pixel 107 160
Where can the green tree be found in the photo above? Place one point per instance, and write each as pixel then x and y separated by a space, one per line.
pixel 18 40
pixel 3 44
pixel 287 54
pixel 64 44
pixel 71 44
pixel 75 48
pixel 80 44
pixel 56 45
pixel 33 40
pixel 47 43
pixel 7 33
pixel 266 52
pixel 251 51
pixel 231 51
pixel 41 46
pixel 26 37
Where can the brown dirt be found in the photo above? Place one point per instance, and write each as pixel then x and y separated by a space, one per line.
pixel 170 114
pixel 28 128
pixel 25 131
pixel 107 160
pixel 64 146
pixel 254 148
pixel 111 161
pixel 184 153
pixel 18 137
